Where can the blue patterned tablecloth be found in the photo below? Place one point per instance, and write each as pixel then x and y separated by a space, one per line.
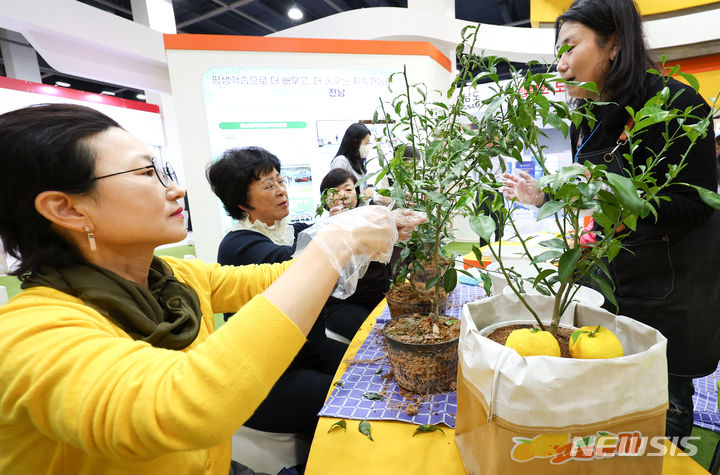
pixel 347 401
pixel 705 401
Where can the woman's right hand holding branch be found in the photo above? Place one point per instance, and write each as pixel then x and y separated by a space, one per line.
pixel 523 188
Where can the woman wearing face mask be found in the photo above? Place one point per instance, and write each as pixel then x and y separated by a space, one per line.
pixel 354 149
pixel 667 275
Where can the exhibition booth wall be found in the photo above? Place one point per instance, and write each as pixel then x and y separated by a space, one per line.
pixel 294 97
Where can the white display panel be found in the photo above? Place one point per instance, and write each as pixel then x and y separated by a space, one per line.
pixel 298 114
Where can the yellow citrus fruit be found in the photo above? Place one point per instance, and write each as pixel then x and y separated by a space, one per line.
pixel 594 343
pixel 546 445
pixel 532 342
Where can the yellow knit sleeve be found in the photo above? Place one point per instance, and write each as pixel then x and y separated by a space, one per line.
pixel 70 375
pixel 230 287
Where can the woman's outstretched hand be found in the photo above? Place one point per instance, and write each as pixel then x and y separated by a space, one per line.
pixel 406 220
pixel 341 245
pixel 523 188
pixel 370 230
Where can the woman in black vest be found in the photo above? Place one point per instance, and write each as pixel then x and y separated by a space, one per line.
pixel 667 276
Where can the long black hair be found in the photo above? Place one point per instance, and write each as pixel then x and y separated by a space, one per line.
pixel 43 148
pixel 624 83
pixel 350 146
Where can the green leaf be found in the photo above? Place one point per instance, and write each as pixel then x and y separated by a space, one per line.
pixel 588 86
pixel 364 428
pixel 567 262
pixel 339 383
pixel 379 371
pixel 450 280
pixel 542 275
pixel 450 322
pixel 692 80
pixel 546 256
pixel 610 211
pixel 589 190
pixel 631 222
pixel 709 197
pixel 374 396
pixel 478 253
pixel 438 198
pixel 549 209
pixel 606 289
pixel 613 250
pixel 543 290
pixel 490 110
pixel 427 428
pixel 483 226
pixel 338 425
pixel 576 334
pixel 487 282
pixel 626 193
pixel 554 243
pixel 603 220
pixel 566 174
pixel 432 282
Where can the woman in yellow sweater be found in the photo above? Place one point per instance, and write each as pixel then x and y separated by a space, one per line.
pixel 108 360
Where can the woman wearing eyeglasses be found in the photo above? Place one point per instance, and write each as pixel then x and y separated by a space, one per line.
pixel 108 360
pixel 666 273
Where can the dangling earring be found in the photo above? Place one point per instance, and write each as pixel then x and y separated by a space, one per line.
pixel 91 238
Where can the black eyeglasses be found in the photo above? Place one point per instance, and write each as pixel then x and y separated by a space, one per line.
pixel 163 171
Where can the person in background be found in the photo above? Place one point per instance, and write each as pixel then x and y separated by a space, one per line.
pixel 344 316
pixel 110 361
pixel 354 149
pixel 248 182
pixel 252 190
pixel 666 274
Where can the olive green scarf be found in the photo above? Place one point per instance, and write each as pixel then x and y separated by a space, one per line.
pixel 167 315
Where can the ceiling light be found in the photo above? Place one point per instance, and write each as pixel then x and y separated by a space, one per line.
pixel 108 93
pixel 62 84
pixel 295 13
pixel 141 97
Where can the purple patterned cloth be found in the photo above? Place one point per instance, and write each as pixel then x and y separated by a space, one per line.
pixel 705 402
pixel 347 401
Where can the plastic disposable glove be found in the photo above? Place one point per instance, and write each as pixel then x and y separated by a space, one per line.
pixel 406 220
pixel 522 187
pixel 365 234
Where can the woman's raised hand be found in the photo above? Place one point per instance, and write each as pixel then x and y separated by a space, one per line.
pixel 337 209
pixel 406 220
pixel 522 187
pixel 369 230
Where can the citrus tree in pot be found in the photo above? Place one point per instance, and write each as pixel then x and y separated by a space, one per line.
pixel 519 413
pixel 438 180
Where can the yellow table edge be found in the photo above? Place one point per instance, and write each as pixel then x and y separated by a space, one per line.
pixel 350 452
